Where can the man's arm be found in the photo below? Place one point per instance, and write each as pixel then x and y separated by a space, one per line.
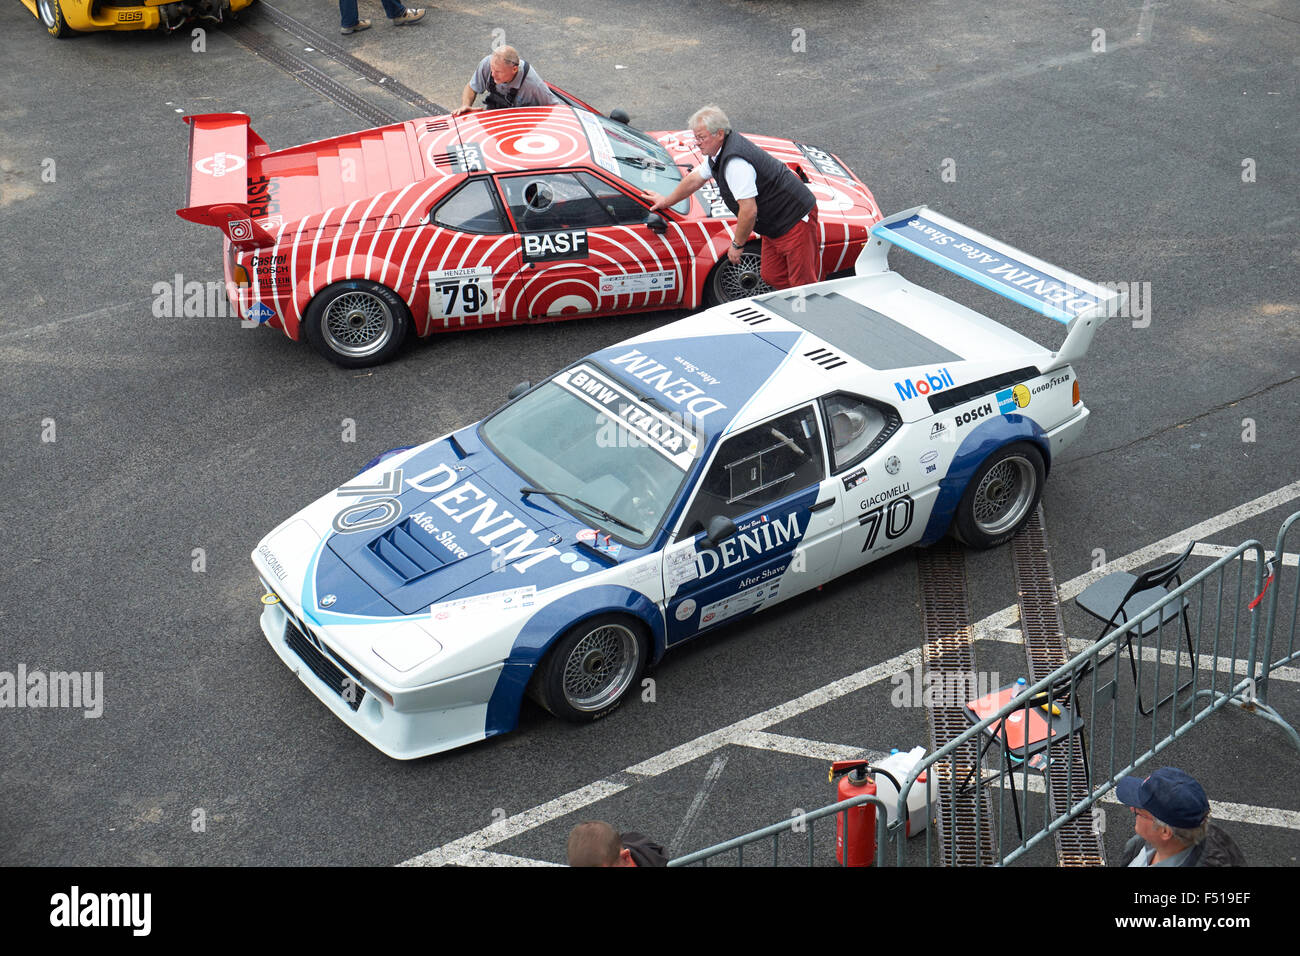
pixel 691 182
pixel 746 216
pixel 467 96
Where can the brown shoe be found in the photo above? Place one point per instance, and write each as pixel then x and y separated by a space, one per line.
pixel 410 16
pixel 361 25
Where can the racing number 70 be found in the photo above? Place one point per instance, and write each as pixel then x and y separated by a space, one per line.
pixel 895 516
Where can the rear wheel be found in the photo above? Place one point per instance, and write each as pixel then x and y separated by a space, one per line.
pixel 1001 496
pixel 357 323
pixel 590 669
pixel 52 17
pixel 728 282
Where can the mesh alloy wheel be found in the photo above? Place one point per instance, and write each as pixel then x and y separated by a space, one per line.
pixel 1005 495
pixel 730 282
pixel 358 324
pixel 601 667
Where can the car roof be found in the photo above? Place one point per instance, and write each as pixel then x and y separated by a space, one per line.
pixel 866 335
pixel 523 138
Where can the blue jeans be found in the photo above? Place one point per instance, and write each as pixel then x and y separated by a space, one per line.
pixel 348 10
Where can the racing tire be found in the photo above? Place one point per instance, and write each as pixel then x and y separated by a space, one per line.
pixel 51 14
pixel 726 282
pixel 589 670
pixel 1002 494
pixel 357 324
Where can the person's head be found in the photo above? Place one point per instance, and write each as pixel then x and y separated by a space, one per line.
pixel 504 64
pixel 596 843
pixel 709 125
pixel 1170 809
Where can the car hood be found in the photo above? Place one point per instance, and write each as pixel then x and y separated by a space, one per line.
pixel 462 529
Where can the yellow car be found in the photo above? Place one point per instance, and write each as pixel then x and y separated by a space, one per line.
pixel 62 17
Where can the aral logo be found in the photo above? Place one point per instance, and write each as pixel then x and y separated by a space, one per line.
pixel 218 164
pixel 544 246
pixel 932 382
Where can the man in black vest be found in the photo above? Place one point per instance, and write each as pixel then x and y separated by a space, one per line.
pixel 507 81
pixel 762 193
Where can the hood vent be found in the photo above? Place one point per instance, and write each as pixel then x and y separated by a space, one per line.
pixel 751 316
pixel 403 554
pixel 825 358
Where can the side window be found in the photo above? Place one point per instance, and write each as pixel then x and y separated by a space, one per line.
pixel 472 208
pixel 543 203
pixel 619 205
pixel 857 427
pixel 759 466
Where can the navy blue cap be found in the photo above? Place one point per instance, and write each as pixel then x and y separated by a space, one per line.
pixel 1170 795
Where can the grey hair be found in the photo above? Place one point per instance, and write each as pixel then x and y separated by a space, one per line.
pixel 712 117
pixel 507 53
pixel 1190 836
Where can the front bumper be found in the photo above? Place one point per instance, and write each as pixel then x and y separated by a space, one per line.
pixel 420 720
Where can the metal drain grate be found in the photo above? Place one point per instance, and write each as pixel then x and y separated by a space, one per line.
pixel 964 831
pixel 1045 651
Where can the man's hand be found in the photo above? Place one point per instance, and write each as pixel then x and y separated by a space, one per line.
pixel 733 255
pixel 461 111
pixel 657 202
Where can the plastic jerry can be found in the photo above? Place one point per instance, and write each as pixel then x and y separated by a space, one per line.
pixel 900 765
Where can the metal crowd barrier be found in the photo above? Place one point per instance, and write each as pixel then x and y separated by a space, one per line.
pixel 804 825
pixel 1233 625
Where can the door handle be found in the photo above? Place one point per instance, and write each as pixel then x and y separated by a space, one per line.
pixel 822 505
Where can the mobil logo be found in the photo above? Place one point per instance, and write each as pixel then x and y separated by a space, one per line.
pixel 930 382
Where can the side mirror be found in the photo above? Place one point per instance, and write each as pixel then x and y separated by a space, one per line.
pixel 620 115
pixel 719 530
pixel 655 223
pixel 518 390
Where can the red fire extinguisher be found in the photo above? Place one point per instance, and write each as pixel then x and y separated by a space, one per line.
pixel 855 828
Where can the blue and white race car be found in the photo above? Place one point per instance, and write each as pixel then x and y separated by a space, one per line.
pixel 679 480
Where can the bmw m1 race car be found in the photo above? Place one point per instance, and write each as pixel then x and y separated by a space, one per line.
pixel 498 217
pixel 62 18
pixel 671 483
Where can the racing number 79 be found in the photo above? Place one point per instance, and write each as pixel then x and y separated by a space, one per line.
pixel 895 516
pixel 471 298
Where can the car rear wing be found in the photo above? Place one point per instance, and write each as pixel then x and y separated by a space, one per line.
pixel 1049 290
pixel 221 147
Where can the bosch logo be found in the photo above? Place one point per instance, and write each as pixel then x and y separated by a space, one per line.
pixel 218 164
pixel 974 415
pixel 932 382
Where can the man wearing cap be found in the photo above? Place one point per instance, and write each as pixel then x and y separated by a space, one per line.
pixel 1171 820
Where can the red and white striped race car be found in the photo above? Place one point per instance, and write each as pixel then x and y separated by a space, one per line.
pixel 494 218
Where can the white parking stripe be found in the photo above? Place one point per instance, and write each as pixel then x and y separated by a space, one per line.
pixel 994 626
pixel 484 858
pixel 815 749
pixel 1217 551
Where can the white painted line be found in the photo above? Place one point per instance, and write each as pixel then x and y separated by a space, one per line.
pixel 1204 529
pixel 1217 551
pixel 800 747
pixel 484 858
pixel 511 827
pixel 701 797
pixel 994 626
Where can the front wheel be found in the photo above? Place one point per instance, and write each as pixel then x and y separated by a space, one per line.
pixel 728 282
pixel 52 18
pixel 357 323
pixel 591 668
pixel 1001 496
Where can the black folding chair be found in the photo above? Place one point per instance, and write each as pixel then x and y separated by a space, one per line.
pixel 1120 597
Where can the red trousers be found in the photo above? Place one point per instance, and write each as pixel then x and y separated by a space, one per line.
pixel 793 259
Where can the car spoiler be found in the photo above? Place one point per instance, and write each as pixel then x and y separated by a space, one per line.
pixel 1049 290
pixel 221 147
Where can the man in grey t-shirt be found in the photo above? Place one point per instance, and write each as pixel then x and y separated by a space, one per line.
pixel 507 81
